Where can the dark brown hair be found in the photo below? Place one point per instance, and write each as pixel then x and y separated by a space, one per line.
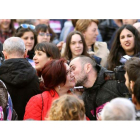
pixel 137 90
pixel 50 49
pixel 117 51
pixel 68 53
pixel 44 28
pixel 132 67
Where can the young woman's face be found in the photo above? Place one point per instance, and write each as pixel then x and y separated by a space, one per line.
pixel 5 24
pixel 28 38
pixel 127 40
pixel 40 59
pixel 43 37
pixel 76 45
pixel 91 33
pixel 70 81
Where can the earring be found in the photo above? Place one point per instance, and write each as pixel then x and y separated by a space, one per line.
pixel 59 87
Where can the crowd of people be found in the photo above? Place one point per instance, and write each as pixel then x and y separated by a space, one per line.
pixel 70 69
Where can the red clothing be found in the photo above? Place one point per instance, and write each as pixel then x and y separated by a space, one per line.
pixel 34 109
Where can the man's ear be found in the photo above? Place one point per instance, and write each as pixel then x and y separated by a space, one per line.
pixel 132 83
pixel 134 99
pixel 87 67
pixel 5 55
pixel 50 58
pixel 25 53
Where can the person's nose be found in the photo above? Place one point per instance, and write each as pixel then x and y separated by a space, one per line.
pixel 45 36
pixel 126 39
pixel 34 58
pixel 29 40
pixel 71 74
pixel 77 45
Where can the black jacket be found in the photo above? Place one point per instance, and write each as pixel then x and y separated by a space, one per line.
pixel 107 29
pixel 21 81
pixel 101 92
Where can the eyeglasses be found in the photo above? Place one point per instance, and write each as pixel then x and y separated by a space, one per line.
pixel 25 26
pixel 43 34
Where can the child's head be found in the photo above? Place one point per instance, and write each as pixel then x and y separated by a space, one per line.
pixel 67 107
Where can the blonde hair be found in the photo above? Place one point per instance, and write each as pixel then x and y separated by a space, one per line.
pixel 67 107
pixel 82 24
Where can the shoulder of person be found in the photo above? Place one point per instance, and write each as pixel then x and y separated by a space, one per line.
pixel 100 44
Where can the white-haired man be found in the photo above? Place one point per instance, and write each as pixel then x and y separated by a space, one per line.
pixel 118 109
pixel 18 74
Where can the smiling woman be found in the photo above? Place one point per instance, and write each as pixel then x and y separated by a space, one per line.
pixel 75 46
pixel 98 50
pixel 44 52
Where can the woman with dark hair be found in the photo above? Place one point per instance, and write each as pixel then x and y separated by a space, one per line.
pixel 57 80
pixel 6 29
pixel 44 33
pixel 126 42
pixel 75 46
pixel 28 34
pixel 44 52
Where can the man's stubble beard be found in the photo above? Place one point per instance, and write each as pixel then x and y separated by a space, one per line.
pixel 82 80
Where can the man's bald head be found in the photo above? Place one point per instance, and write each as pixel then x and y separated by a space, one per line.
pixel 14 46
pixel 84 60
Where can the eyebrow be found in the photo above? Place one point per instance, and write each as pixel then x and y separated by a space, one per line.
pixel 71 65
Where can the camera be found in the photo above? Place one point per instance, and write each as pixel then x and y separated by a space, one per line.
pixel 117 74
pixel 119 71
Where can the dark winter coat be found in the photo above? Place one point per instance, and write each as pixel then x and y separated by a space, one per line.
pixel 100 93
pixel 21 81
pixel 107 29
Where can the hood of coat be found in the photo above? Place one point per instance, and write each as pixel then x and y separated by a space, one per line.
pixel 100 78
pixel 17 72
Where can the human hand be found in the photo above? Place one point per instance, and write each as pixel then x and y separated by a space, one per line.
pixel 60 44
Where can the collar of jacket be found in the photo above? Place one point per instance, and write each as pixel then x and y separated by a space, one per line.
pixel 100 77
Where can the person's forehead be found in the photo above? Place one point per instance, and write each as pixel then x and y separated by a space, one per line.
pixel 75 61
